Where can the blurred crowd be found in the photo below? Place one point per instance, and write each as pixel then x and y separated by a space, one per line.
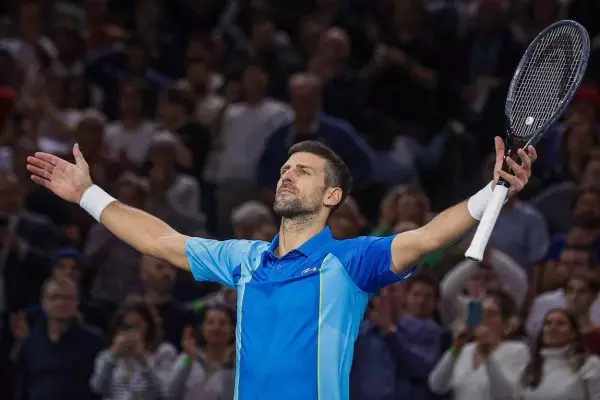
pixel 186 109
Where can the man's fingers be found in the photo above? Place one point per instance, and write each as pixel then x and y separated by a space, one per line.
pixel 514 182
pixel 40 163
pixel 41 181
pixel 525 159
pixel 519 171
pixel 499 152
pixel 79 160
pixel 532 153
pixel 49 158
pixel 42 173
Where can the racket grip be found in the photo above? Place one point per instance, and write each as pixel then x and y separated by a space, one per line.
pixel 486 225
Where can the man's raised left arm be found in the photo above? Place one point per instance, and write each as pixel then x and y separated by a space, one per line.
pixel 451 224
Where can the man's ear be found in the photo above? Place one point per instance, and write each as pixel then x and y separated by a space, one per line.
pixel 333 197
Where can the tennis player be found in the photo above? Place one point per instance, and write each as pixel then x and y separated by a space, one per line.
pixel 301 298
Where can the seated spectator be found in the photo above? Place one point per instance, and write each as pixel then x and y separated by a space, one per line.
pixel 470 281
pixel 159 279
pixel 137 361
pixel 404 203
pixel 460 370
pixel 57 358
pixel 347 222
pixel 309 123
pixel 114 263
pixel 560 367
pixel 572 260
pixel 205 370
pixel 581 291
pixel 253 220
pixel 394 356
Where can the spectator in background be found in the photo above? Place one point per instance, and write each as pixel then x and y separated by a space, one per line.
pixel 56 360
pixel 581 291
pixel 393 357
pixel 205 370
pixel 406 203
pixel 137 362
pixel 207 103
pixel 560 366
pixel 129 138
pixel 309 123
pixel 115 264
pixel 159 279
pixel 346 221
pixel 242 129
pixel 253 220
pixel 470 281
pixel 488 367
pixel 180 191
pixel 572 259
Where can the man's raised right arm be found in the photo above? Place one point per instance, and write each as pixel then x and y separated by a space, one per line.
pixel 144 232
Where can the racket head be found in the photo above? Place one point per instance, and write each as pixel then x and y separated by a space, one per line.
pixel 545 81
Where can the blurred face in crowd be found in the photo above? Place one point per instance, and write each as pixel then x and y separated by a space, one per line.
pixel 254 82
pixel 130 193
pixel 10 193
pixel 136 322
pixel 346 221
pixel 557 330
pixel 413 207
pixel 137 59
pixel 302 187
pixel 397 295
pixel 587 209
pixel 264 231
pixel 421 300
pixel 306 97
pixel 158 275
pixel 591 175
pixel 198 76
pixel 579 296
pixel 310 31
pixel 30 19
pixel 262 34
pixel 581 137
pixel 68 267
pixel 571 260
pixel 482 281
pixel 217 327
pixel 60 300
pixel 130 101
pixel 492 316
pixel 334 46
pixel 89 135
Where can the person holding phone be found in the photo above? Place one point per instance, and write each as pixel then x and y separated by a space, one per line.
pixel 482 360
pixel 136 363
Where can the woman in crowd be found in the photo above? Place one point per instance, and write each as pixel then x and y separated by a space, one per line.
pixel 560 367
pixel 205 368
pixel 487 365
pixel 137 362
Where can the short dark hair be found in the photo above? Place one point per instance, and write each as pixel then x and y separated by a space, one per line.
pixel 138 306
pixel 337 173
pixel 508 307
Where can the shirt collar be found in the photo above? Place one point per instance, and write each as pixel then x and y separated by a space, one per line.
pixel 312 245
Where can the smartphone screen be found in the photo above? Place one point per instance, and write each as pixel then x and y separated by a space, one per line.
pixel 474 317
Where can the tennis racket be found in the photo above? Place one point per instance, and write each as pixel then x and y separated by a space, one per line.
pixel 541 89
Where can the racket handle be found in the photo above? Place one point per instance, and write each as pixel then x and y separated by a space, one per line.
pixel 487 223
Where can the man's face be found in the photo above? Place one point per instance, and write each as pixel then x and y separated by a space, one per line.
pixel 591 175
pixel 587 209
pixel 579 297
pixel 68 267
pixel 60 301
pixel 254 81
pixel 302 186
pixel 421 300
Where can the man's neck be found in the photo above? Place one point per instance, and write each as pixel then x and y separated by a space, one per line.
pixel 294 232
pixel 57 328
pixel 157 299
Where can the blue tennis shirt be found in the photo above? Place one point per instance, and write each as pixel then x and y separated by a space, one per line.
pixel 298 315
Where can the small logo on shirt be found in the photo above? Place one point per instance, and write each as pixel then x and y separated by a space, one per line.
pixel 308 271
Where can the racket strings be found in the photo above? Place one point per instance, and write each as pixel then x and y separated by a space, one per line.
pixel 545 79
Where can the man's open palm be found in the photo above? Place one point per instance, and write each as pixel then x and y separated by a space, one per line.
pixel 66 180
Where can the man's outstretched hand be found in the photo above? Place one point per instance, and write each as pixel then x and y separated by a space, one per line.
pixel 66 180
pixel 519 177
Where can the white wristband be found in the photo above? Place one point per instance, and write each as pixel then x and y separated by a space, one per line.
pixel 95 200
pixel 479 201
